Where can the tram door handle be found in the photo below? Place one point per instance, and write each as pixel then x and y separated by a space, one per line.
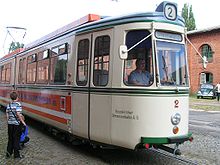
pixel 62 103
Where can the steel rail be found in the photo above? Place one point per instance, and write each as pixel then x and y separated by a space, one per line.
pixel 177 157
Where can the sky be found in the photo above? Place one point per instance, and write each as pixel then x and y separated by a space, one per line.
pixel 41 17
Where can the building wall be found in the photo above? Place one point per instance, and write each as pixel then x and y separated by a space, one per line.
pixel 212 38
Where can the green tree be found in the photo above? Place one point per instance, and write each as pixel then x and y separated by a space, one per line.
pixel 188 16
pixel 15 45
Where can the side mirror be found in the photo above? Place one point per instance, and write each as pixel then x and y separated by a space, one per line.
pixel 123 52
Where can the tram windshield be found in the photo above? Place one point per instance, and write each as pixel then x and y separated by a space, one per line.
pixel 172 64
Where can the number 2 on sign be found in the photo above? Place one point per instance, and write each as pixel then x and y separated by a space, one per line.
pixel 176 104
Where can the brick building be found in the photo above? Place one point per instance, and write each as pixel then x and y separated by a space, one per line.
pixel 207 42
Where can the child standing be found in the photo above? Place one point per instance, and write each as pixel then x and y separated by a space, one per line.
pixel 14 118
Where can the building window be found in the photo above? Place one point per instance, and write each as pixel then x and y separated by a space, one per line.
pixel 82 62
pixel 101 61
pixel 206 50
pixel 59 64
pixel 206 78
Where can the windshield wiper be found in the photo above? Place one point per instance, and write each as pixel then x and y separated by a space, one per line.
pixel 165 67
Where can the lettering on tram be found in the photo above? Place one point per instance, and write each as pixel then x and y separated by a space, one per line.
pixel 168 36
pixel 170 11
pixel 125 114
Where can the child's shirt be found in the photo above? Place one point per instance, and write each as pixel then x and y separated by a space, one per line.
pixel 12 109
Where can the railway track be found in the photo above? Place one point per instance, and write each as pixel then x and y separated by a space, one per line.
pixel 172 156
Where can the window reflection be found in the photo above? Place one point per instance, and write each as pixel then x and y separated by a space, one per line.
pixel 101 61
pixel 172 63
pixel 59 64
pixel 82 62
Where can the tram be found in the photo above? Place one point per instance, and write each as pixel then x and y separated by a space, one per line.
pixel 76 79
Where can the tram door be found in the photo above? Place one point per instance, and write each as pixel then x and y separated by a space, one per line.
pixel 100 97
pixel 80 97
pixel 92 101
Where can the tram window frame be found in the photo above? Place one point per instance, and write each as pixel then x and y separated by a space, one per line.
pixel 6 71
pixel 139 52
pixel 0 73
pixel 22 71
pixel 31 72
pixel 101 60
pixel 172 63
pixel 43 63
pixel 82 62
pixel 59 52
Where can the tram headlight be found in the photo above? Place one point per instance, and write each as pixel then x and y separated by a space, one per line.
pixel 175 119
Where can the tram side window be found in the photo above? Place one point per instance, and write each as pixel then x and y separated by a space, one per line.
pixel 21 73
pixel 82 62
pixel 6 73
pixel 31 68
pixel 58 62
pixel 138 68
pixel 0 74
pixel 43 67
pixel 1 67
pixel 101 61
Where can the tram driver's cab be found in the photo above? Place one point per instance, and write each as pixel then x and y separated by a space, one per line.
pixel 170 58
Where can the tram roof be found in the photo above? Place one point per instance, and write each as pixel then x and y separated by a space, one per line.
pixel 102 22
pixel 92 21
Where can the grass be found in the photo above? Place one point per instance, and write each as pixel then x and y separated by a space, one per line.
pixel 204 104
pixel 205 107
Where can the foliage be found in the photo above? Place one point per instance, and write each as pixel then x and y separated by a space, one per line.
pixel 15 45
pixel 188 16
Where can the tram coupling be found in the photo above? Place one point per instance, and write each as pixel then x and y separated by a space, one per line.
pixel 175 150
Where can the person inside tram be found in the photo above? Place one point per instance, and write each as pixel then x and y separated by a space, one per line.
pixel 139 76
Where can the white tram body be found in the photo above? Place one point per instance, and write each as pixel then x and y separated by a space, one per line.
pixel 77 79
